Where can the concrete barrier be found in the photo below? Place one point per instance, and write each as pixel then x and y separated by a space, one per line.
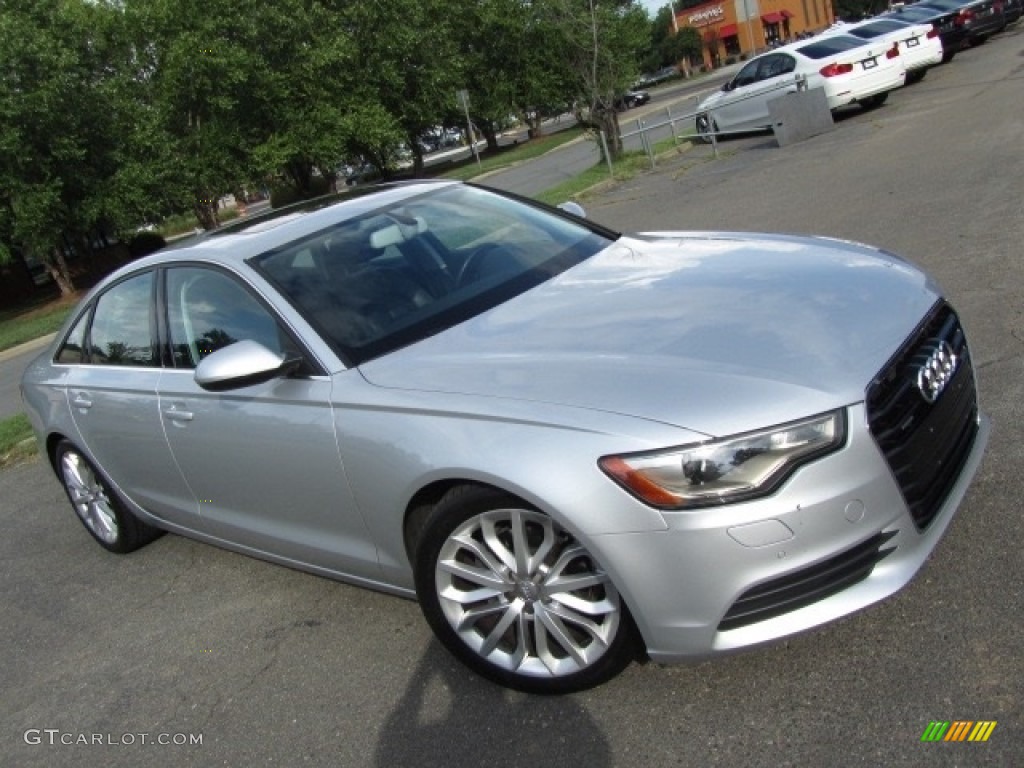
pixel 798 116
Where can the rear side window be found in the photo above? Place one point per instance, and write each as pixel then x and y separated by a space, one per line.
pixel 73 349
pixel 122 325
pixel 829 46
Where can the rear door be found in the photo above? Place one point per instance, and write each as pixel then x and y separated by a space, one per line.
pixel 112 394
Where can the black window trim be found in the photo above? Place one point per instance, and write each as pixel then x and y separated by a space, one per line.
pixel 159 328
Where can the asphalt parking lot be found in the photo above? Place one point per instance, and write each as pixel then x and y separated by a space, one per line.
pixel 105 657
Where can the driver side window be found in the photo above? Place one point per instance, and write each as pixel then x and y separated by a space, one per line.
pixel 747 75
pixel 776 65
pixel 208 310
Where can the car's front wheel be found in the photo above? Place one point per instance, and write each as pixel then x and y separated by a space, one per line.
pixel 102 513
pixel 516 597
pixel 705 128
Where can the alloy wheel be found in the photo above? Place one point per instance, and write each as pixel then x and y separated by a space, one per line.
pixel 524 595
pixel 89 497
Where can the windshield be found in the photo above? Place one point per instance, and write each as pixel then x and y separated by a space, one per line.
pixel 413 268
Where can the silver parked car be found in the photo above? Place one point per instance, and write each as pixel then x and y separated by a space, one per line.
pixel 572 446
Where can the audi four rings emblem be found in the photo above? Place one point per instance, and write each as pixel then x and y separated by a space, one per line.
pixel 936 372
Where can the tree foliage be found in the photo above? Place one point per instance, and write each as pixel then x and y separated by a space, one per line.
pixel 603 43
pixel 59 126
pixel 115 113
pixel 669 47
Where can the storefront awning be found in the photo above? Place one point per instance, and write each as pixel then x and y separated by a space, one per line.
pixel 771 18
pixel 727 30
pixel 787 14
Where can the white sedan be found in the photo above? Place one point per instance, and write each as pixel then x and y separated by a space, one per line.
pixel 920 45
pixel 849 69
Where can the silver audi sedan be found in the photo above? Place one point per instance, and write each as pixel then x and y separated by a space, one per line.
pixel 573 447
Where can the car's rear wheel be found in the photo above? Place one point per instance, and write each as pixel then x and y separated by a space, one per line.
pixel 873 102
pixel 102 513
pixel 916 75
pixel 516 597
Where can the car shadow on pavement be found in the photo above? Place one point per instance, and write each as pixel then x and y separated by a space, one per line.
pixel 450 717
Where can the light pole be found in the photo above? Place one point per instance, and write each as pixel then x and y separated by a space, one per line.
pixel 750 28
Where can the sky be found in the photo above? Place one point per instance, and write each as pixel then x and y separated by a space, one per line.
pixel 652 6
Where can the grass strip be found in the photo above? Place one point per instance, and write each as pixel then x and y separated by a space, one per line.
pixel 19 326
pixel 14 432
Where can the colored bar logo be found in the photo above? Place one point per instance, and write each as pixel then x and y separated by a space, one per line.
pixel 958 730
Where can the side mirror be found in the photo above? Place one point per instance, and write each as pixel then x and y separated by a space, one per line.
pixel 240 365
pixel 574 208
pixel 728 86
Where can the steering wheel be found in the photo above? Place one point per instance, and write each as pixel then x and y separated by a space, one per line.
pixel 472 267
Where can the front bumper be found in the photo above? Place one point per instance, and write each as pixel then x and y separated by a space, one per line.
pixel 681 583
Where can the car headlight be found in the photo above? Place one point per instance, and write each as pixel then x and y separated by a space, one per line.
pixel 727 470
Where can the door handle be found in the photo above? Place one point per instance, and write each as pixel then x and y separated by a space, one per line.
pixel 174 414
pixel 81 400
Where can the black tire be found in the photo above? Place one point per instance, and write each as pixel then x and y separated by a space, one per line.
pixel 98 507
pixel 498 610
pixel 947 56
pixel 705 128
pixel 874 102
pixel 976 41
pixel 916 76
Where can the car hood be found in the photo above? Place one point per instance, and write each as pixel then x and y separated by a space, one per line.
pixel 714 333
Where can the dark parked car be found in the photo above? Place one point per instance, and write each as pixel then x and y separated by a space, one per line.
pixel 979 18
pixel 631 99
pixel 948 23
pixel 1012 10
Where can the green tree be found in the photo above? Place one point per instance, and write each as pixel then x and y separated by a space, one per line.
pixel 507 48
pixel 603 45
pixel 311 106
pixel 410 67
pixel 60 114
pixel 668 46
pixel 197 66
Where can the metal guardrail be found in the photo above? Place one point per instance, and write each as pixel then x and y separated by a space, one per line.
pixel 645 129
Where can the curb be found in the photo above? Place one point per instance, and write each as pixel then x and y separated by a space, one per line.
pixel 27 346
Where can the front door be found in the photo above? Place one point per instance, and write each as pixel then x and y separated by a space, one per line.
pixel 261 459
